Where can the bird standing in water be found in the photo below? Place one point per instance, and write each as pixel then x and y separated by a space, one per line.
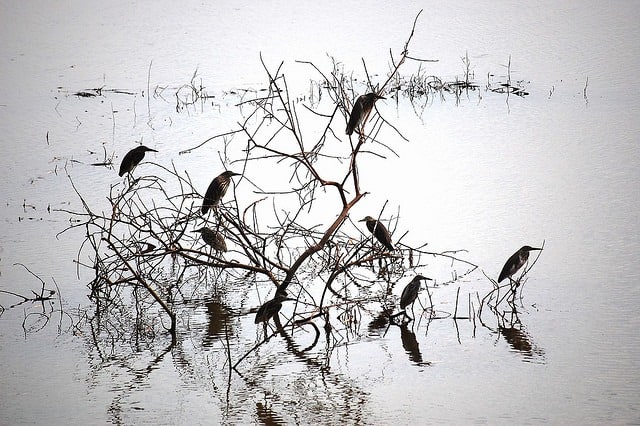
pixel 213 238
pixel 410 292
pixel 379 231
pixel 132 159
pixel 361 110
pixel 515 262
pixel 216 190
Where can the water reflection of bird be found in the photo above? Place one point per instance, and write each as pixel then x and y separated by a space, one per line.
pixel 267 416
pixel 216 190
pixel 515 262
pixel 213 238
pixel 219 322
pixel 521 342
pixel 379 231
pixel 411 346
pixel 410 292
pixel 361 110
pixel 269 309
pixel 381 321
pixel 132 159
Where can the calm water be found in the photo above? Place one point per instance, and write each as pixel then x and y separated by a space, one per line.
pixel 487 174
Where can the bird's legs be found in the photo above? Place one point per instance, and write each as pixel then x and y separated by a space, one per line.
pixel 364 120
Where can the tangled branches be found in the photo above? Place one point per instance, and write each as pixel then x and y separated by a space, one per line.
pixel 295 238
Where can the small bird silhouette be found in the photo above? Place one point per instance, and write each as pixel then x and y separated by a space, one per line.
pixel 379 231
pixel 411 290
pixel 216 190
pixel 132 159
pixel 361 110
pixel 515 262
pixel 270 308
pixel 213 238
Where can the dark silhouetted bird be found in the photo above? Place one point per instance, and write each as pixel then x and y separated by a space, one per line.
pixel 378 229
pixel 361 110
pixel 213 238
pixel 132 158
pixel 410 292
pixel 270 308
pixel 216 190
pixel 515 262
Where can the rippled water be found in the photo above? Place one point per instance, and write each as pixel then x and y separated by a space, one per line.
pixel 486 174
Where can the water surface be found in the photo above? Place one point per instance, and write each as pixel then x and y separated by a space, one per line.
pixel 486 174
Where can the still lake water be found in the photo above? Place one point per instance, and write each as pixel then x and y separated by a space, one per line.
pixel 486 174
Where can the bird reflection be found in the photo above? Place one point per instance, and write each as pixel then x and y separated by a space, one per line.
pixel 219 318
pixel 521 342
pixel 267 416
pixel 410 345
pixel 380 322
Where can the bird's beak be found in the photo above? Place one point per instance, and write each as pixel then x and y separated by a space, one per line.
pixel 380 97
pixel 154 150
pixel 362 220
pixel 535 248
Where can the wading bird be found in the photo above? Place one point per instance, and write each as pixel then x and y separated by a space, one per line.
pixel 269 309
pixel 361 110
pixel 378 229
pixel 515 262
pixel 213 238
pixel 132 158
pixel 410 292
pixel 216 190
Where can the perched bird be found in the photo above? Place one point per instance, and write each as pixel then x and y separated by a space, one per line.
pixel 270 308
pixel 378 229
pixel 410 292
pixel 361 110
pixel 213 238
pixel 132 158
pixel 515 262
pixel 216 190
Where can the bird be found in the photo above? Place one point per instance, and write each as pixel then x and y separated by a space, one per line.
pixel 379 230
pixel 216 190
pixel 410 291
pixel 213 238
pixel 132 158
pixel 270 308
pixel 515 262
pixel 361 110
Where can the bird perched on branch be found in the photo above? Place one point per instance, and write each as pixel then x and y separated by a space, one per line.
pixel 216 190
pixel 410 292
pixel 515 262
pixel 269 308
pixel 361 110
pixel 379 231
pixel 132 159
pixel 213 238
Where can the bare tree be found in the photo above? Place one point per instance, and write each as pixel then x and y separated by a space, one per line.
pixel 146 253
